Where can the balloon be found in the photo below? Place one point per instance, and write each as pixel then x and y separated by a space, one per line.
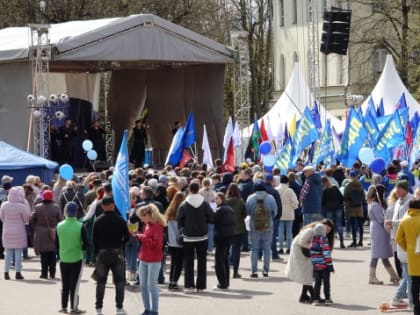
pixel 41 100
pixel 269 160
pixel 87 145
pixel 37 114
pixel 53 98
pixel 59 114
pixel 31 98
pixel 268 169
pixel 66 171
pixel 92 155
pixel 378 165
pixel 64 98
pixel 265 147
pixel 366 155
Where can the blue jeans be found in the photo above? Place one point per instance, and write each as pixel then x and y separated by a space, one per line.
pixel 131 252
pixel 285 226
pixel 16 254
pixel 356 224
pixel 148 273
pixel 337 217
pixel 311 217
pixel 261 240
pixel 405 285
pixel 274 251
pixel 210 235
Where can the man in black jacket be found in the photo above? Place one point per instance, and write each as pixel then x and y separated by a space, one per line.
pixel 110 233
pixel 193 216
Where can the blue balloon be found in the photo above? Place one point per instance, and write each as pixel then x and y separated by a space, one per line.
pixel 265 147
pixel 92 155
pixel 378 165
pixel 269 160
pixel 87 145
pixel 268 169
pixel 66 171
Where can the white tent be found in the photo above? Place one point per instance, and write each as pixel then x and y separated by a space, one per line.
pixel 293 101
pixel 390 88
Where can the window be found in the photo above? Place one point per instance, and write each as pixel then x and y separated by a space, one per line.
pixel 378 60
pixel 282 72
pixel 281 12
pixel 294 13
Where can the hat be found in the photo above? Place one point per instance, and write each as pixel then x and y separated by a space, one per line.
pixel 47 195
pixel 269 176
pixel 6 179
pixel 163 179
pixel 403 185
pixel 259 186
pixel 71 209
pixel 353 173
pixel 308 168
pixel 319 230
pixel 107 200
pixel 244 165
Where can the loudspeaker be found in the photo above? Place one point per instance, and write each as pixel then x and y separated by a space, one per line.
pixel 335 31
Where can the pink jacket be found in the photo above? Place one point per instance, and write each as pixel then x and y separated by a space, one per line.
pixel 14 215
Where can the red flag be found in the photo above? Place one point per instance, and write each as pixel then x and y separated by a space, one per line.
pixel 229 163
pixel 186 157
pixel 408 135
pixel 263 131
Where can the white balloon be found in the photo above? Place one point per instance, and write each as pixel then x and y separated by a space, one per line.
pixel 30 98
pixel 37 114
pixel 53 98
pixel 59 114
pixel 41 99
pixel 64 97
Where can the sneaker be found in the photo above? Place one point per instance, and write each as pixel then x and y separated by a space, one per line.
pixel 99 311
pixel 328 302
pixel 63 310
pixel 174 287
pixel 265 274
pixel 77 311
pixel 189 290
pixel 219 287
pixel 120 311
pixel 43 277
pixel 316 303
pixel 398 302
pixel 199 290
pixel 254 275
pixel 237 276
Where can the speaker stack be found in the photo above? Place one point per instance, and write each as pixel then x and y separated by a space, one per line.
pixel 335 31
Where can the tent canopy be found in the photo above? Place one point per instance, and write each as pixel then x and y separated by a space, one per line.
pixel 390 88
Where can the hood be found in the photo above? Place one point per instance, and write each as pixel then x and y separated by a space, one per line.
pixel 319 230
pixel 16 195
pixel 195 200
pixel 413 212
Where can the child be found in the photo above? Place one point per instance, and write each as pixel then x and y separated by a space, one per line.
pixel 322 264
pixel 150 256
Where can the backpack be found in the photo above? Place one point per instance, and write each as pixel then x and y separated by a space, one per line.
pixel 261 218
pixel 356 198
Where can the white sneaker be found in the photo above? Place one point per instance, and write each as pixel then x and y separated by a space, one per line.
pixel 398 302
pixel 99 311
pixel 189 290
pixel 120 311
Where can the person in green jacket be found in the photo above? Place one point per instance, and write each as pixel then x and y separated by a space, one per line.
pixel 71 240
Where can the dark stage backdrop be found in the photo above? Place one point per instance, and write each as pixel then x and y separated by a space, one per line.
pixel 171 94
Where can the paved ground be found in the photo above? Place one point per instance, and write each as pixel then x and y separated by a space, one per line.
pixel 272 296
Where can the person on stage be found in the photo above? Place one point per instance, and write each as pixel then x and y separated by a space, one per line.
pixel 139 146
pixel 67 133
pixel 96 135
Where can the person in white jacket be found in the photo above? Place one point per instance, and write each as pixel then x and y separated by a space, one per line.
pixel 289 203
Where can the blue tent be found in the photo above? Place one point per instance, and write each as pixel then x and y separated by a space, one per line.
pixel 19 164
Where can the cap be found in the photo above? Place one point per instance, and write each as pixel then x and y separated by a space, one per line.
pixel 269 176
pixel 259 186
pixel 71 209
pixel 403 185
pixel 47 195
pixel 6 179
pixel 308 168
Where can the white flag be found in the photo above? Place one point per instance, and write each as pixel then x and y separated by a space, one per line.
pixel 269 130
pixel 280 135
pixel 207 159
pixel 237 140
pixel 228 133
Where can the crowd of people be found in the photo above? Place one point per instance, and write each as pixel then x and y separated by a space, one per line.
pixel 188 213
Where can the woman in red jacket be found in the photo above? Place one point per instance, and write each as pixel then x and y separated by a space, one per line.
pixel 150 256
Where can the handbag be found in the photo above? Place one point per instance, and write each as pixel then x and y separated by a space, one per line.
pixel 417 250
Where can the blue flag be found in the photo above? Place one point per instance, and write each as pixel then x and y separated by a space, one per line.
pixel 315 115
pixel 189 137
pixel 325 150
pixel 283 161
pixel 371 127
pixel 402 103
pixel 306 133
pixel 176 148
pixel 119 181
pixel 382 121
pixel 414 122
pixel 371 107
pixel 353 139
pixel 380 111
pixel 403 114
pixel 389 137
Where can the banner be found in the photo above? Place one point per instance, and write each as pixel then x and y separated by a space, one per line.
pixel 325 148
pixel 306 134
pixel 119 180
pixel 389 137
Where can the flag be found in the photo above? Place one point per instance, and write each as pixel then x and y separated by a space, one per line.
pixel 416 148
pixel 254 142
pixel 283 161
pixel 306 133
pixel 186 157
pixel 263 131
pixel 382 121
pixel 414 122
pixel 292 126
pixel 371 107
pixel 207 158
pixel 402 103
pixel 354 136
pixel 119 180
pixel 228 133
pixel 408 135
pixel 176 148
pixel 325 149
pixel 380 111
pixel 371 127
pixel 189 137
pixel 269 130
pixel 286 135
pixel 315 116
pixel 279 136
pixel 336 140
pixel 389 137
pixel 403 114
pixel 237 139
pixel 229 162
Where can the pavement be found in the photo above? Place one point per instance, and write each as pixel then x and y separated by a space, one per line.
pixel 247 296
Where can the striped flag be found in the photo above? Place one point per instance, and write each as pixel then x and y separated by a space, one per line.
pixel 119 181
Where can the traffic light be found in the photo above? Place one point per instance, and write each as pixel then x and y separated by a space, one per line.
pixel 335 31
